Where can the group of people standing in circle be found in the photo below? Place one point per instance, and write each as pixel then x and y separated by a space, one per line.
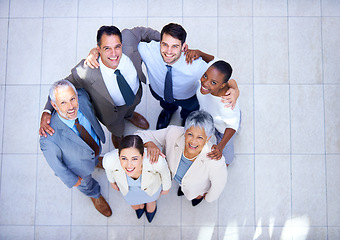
pixel 106 86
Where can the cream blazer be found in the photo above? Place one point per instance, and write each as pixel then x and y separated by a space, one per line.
pixel 153 175
pixel 204 175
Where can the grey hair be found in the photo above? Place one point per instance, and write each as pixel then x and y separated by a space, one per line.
pixel 200 119
pixel 60 84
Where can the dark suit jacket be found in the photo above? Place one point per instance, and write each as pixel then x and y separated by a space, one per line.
pixel 66 153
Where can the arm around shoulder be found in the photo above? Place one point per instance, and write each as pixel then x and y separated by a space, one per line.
pixel 145 34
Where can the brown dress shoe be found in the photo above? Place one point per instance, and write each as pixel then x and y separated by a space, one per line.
pixel 102 206
pixel 116 140
pixel 139 121
pixel 100 162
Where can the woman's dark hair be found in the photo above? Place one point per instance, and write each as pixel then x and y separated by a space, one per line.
pixel 132 141
pixel 224 68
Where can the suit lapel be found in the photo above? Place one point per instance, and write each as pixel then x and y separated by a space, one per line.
pixel 99 85
pixel 93 121
pixel 179 148
pixel 67 132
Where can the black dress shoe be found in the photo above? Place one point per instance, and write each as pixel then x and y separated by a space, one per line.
pixel 163 120
pixel 179 192
pixel 195 201
pixel 139 212
pixel 150 216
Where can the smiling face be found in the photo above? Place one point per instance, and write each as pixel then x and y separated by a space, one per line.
pixel 212 82
pixel 110 50
pixel 195 139
pixel 171 49
pixel 131 161
pixel 66 103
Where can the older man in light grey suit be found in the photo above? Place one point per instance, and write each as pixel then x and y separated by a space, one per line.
pixel 72 151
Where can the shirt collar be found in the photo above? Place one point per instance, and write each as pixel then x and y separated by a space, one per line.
pixel 110 71
pixel 105 69
pixel 70 123
pixel 178 62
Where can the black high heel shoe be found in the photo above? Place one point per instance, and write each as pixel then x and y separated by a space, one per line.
pixel 139 212
pixel 150 216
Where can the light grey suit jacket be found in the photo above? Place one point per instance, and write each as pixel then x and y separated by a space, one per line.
pixel 66 153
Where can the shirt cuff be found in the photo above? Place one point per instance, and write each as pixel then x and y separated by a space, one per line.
pixel 47 111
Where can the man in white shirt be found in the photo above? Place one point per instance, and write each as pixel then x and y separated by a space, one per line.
pixel 168 54
pixel 114 88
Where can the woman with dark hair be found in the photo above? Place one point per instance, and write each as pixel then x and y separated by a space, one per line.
pixel 130 172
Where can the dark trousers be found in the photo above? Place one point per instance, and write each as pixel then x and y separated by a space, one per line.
pixel 188 105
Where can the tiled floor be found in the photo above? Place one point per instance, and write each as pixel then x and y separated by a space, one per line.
pixel 285 181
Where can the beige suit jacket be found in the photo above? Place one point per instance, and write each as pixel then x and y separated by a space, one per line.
pixel 153 175
pixel 204 175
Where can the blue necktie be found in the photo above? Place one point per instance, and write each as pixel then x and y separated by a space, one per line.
pixel 125 89
pixel 168 94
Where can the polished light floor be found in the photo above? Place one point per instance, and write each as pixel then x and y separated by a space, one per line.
pixel 284 182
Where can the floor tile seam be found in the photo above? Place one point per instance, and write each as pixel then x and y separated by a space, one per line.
pixel 26 84
pixel 254 120
pixel 71 202
pixel 324 117
pixel 162 16
pixel 4 103
pixel 290 121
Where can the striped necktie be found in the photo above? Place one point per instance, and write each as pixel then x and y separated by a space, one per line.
pixel 87 137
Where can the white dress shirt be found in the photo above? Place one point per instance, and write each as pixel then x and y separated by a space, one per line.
pixel 184 76
pixel 129 72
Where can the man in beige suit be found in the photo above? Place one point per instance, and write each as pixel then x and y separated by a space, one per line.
pixel 107 94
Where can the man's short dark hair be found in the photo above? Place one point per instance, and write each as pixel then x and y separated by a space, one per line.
pixel 174 30
pixel 108 30
pixel 224 68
